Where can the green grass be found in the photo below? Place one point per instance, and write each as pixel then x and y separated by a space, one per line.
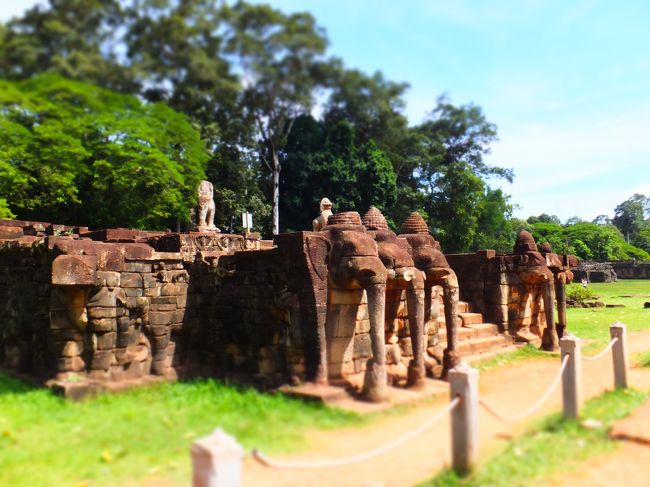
pixel 527 352
pixel 593 323
pixel 552 446
pixel 641 359
pixel 45 440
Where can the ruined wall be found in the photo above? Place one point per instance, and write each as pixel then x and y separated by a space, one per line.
pixel 595 272
pixel 490 282
pixel 25 293
pixel 631 269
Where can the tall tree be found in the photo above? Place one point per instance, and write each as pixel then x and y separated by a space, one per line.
pixel 629 215
pixel 281 58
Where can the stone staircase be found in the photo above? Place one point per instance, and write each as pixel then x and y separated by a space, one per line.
pixel 476 340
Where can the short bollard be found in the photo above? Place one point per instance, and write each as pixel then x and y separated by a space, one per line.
pixel 463 382
pixel 619 354
pixel 217 461
pixel 572 377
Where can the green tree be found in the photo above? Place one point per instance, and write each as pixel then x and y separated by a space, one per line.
pixel 71 152
pixel 629 215
pixel 74 38
pixel 323 160
pixel 282 56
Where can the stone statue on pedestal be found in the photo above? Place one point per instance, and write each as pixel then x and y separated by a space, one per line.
pixel 205 209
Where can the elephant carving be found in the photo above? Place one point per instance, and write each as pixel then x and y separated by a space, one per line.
pixel 354 263
pixel 428 258
pixel 560 266
pixel 533 272
pixel 402 275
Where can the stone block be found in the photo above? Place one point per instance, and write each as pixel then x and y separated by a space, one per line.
pixel 362 346
pixel 149 280
pixel 72 349
pixel 164 300
pixel 104 297
pixel 70 364
pixel 103 324
pixel 131 279
pixel 159 329
pixel 107 278
pixel 346 296
pixel 101 359
pixel 152 291
pixel 181 300
pixel 74 270
pixel 106 341
pixel 340 349
pixel 163 307
pixel 363 326
pixel 99 312
pixel 133 292
pixel 405 346
pixel 137 267
pixel 341 320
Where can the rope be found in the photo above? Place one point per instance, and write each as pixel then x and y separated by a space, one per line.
pixel 535 406
pixel 267 462
pixel 605 350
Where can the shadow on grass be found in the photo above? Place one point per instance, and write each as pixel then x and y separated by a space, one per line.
pixel 13 385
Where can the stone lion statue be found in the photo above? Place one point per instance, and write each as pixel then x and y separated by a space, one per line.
pixel 320 221
pixel 205 209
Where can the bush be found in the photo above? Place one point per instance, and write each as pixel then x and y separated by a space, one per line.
pixel 577 292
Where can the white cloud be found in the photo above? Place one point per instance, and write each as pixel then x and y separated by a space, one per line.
pixel 9 8
pixel 584 167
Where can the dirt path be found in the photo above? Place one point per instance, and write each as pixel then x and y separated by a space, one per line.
pixel 509 390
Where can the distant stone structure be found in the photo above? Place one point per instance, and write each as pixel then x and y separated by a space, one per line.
pixel 595 272
pixel 630 269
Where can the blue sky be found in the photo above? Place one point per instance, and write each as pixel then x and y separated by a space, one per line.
pixel 566 83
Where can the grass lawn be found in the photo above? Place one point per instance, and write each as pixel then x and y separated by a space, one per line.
pixel 593 323
pixel 45 440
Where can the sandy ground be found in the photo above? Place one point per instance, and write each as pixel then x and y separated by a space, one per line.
pixel 509 390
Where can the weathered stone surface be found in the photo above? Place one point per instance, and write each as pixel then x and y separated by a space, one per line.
pixel 74 270
pixel 98 312
pixel 131 279
pixel 103 324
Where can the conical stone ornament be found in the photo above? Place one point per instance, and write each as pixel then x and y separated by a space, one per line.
pixel 374 220
pixel 344 218
pixel 415 224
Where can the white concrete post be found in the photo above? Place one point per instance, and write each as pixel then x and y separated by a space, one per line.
pixel 619 354
pixel 572 377
pixel 463 382
pixel 217 461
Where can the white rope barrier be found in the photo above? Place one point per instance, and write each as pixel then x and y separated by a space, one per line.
pixel 267 462
pixel 535 406
pixel 605 350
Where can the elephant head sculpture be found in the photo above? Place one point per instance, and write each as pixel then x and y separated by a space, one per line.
pixel 428 257
pixel 402 275
pixel 533 272
pixel 560 266
pixel 353 263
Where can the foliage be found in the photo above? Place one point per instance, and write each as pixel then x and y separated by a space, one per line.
pixel 121 438
pixel 601 242
pixel 69 149
pixel 578 292
pixel 324 159
pixel 629 215
pixel 642 239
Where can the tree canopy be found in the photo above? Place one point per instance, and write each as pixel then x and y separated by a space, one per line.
pixel 72 152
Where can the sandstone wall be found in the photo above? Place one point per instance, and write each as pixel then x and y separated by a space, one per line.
pixel 631 269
